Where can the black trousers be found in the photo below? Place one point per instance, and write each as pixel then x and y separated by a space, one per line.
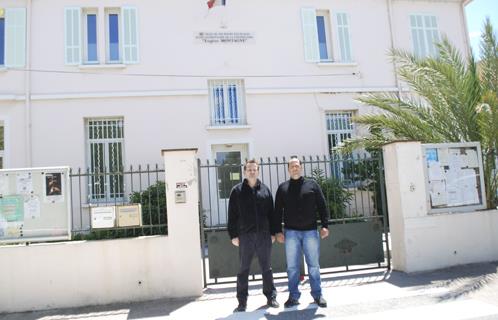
pixel 259 244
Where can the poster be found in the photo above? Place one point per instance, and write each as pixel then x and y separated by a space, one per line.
pixel 53 187
pixel 12 208
pixel 4 184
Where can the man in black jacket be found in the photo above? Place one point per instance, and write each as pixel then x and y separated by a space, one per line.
pixel 298 200
pixel 250 209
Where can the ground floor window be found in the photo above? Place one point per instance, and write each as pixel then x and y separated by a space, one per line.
pixel 105 139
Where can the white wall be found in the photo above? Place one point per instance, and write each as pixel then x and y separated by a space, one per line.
pixel 425 242
pixel 80 273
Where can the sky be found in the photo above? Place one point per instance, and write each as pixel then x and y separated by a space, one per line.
pixel 476 12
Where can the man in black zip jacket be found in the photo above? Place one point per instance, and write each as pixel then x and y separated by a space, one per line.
pixel 250 209
pixel 298 201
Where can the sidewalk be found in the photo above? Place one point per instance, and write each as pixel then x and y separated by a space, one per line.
pixel 463 292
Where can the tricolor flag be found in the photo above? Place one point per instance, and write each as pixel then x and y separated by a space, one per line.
pixel 213 3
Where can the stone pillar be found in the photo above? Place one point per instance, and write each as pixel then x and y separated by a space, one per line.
pixel 406 197
pixel 182 196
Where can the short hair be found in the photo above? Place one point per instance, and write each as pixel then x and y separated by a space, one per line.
pixel 293 158
pixel 251 161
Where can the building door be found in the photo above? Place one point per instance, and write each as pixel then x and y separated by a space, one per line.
pixel 229 159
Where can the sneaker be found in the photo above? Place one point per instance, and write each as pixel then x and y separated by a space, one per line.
pixel 272 303
pixel 321 302
pixel 240 308
pixel 291 303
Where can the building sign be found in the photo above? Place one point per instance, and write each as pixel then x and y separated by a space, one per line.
pixel 224 37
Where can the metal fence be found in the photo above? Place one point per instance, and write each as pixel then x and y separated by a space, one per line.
pixel 353 186
pixel 140 184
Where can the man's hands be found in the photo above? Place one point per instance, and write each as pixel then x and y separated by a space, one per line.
pixel 272 239
pixel 235 241
pixel 324 233
pixel 280 237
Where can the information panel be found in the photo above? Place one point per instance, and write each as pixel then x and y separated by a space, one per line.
pixel 35 205
pixel 454 177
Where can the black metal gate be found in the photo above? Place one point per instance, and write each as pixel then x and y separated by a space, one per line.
pixel 355 192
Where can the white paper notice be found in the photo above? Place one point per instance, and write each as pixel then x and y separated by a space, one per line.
pixel 32 207
pixel 471 159
pixel 454 196
pixel 468 185
pixel 435 171
pixel 4 184
pixel 454 159
pixel 443 156
pixel 438 193
pixel 24 183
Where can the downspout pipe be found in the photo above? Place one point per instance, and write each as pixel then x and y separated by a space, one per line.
pixel 393 45
pixel 27 88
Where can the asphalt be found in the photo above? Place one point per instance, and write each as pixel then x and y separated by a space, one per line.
pixel 461 292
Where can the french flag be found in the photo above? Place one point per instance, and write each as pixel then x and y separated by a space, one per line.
pixel 213 3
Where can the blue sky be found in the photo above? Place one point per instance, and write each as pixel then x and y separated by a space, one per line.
pixel 476 12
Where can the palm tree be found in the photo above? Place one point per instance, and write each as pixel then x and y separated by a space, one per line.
pixel 449 101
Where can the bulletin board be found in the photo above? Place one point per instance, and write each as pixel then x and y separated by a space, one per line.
pixel 35 205
pixel 454 177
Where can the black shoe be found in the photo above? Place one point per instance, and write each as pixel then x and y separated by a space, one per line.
pixel 321 302
pixel 291 302
pixel 240 308
pixel 272 303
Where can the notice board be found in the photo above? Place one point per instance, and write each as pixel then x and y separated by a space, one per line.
pixel 35 205
pixel 454 177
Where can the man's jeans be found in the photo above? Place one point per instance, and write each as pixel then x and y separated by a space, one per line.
pixel 295 243
pixel 258 243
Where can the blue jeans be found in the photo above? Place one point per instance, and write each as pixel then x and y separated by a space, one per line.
pixel 297 242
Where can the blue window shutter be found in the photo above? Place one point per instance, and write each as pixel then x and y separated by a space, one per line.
pixel 130 35
pixel 310 34
pixel 15 37
pixel 72 35
pixel 342 21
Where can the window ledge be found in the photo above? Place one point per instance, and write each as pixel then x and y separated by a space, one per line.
pixel 337 64
pixel 228 127
pixel 102 66
pixel 3 68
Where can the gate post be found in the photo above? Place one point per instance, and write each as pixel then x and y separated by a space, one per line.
pixel 406 199
pixel 182 201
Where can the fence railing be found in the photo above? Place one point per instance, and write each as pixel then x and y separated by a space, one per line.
pixel 353 186
pixel 139 184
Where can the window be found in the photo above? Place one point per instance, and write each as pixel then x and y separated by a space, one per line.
pixel 318 36
pixel 424 35
pixel 339 128
pixel 2 38
pixel 82 35
pixel 322 24
pixel 2 145
pixel 227 102
pixel 112 36
pixel 105 138
pixel 13 37
pixel 90 36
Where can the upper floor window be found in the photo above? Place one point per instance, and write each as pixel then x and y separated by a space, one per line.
pixel 227 102
pixel 318 37
pixel 105 139
pixel 2 145
pixel 90 36
pixel 83 37
pixel 13 37
pixel 424 35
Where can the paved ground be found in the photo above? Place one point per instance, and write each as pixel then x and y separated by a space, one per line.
pixel 463 292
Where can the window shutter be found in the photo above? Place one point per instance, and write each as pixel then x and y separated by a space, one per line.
pixel 342 21
pixel 72 35
pixel 310 33
pixel 15 37
pixel 130 34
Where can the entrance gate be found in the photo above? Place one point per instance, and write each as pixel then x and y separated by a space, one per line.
pixel 354 189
